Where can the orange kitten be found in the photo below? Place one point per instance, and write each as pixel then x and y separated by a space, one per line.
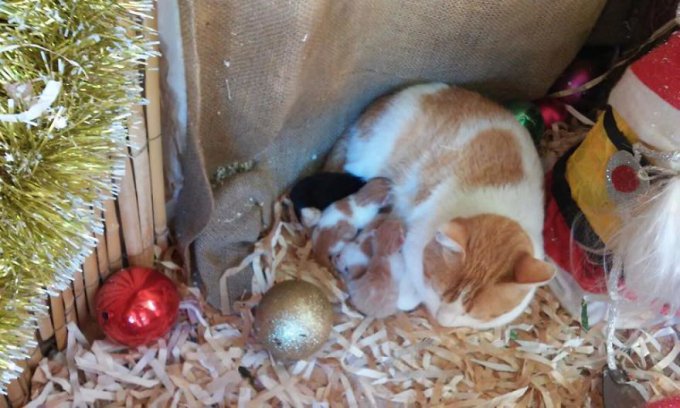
pixel 340 222
pixel 369 265
pixel 467 183
pixel 362 245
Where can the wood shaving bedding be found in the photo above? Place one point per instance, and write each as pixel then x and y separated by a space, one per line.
pixel 544 358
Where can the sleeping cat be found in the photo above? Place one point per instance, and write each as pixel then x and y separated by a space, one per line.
pixel 467 184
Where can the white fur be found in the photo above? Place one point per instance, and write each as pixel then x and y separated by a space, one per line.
pixel 330 217
pixel 310 216
pixel 409 295
pixel 337 248
pixel 363 215
pixel 447 242
pixel 454 315
pixel 360 215
pixel 403 109
pixel 522 202
pixel 351 256
pixel 647 245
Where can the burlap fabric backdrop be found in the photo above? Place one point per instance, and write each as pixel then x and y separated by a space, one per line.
pixel 276 82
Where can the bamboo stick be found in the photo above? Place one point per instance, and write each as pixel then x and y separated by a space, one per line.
pixel 102 250
pixel 18 390
pixel 79 294
pixel 142 217
pixel 113 247
pixel 58 320
pixel 31 364
pixel 142 179
pixel 91 275
pixel 15 394
pixel 69 305
pixel 153 119
pixel 45 328
pixel 129 218
pixel 25 377
pixel 34 360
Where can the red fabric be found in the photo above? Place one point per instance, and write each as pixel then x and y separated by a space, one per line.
pixel 660 70
pixel 670 402
pixel 569 257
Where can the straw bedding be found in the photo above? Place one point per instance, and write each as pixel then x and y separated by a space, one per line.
pixel 545 358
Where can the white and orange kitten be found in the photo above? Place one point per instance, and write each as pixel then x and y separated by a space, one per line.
pixel 467 185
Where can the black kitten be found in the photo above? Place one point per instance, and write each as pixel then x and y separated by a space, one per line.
pixel 323 189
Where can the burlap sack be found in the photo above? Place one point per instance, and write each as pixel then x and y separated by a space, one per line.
pixel 274 83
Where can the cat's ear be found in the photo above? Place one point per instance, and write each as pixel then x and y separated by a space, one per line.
pixel 529 270
pixel 453 236
pixel 310 216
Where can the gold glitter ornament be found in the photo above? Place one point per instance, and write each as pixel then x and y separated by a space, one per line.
pixel 293 320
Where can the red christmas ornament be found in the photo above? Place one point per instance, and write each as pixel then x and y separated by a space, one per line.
pixel 671 402
pixel 577 75
pixel 552 111
pixel 137 305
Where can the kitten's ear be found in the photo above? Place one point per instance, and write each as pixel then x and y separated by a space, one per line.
pixel 310 216
pixel 529 270
pixel 453 235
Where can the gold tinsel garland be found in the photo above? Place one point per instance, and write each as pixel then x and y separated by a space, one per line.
pixel 69 73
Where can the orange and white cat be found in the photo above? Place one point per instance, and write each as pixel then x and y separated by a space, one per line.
pixel 467 184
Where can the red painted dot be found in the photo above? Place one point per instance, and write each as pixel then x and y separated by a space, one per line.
pixel 625 179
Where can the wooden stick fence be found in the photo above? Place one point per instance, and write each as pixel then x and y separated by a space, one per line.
pixel 134 224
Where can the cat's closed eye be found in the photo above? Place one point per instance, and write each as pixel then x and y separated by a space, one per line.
pixel 495 279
